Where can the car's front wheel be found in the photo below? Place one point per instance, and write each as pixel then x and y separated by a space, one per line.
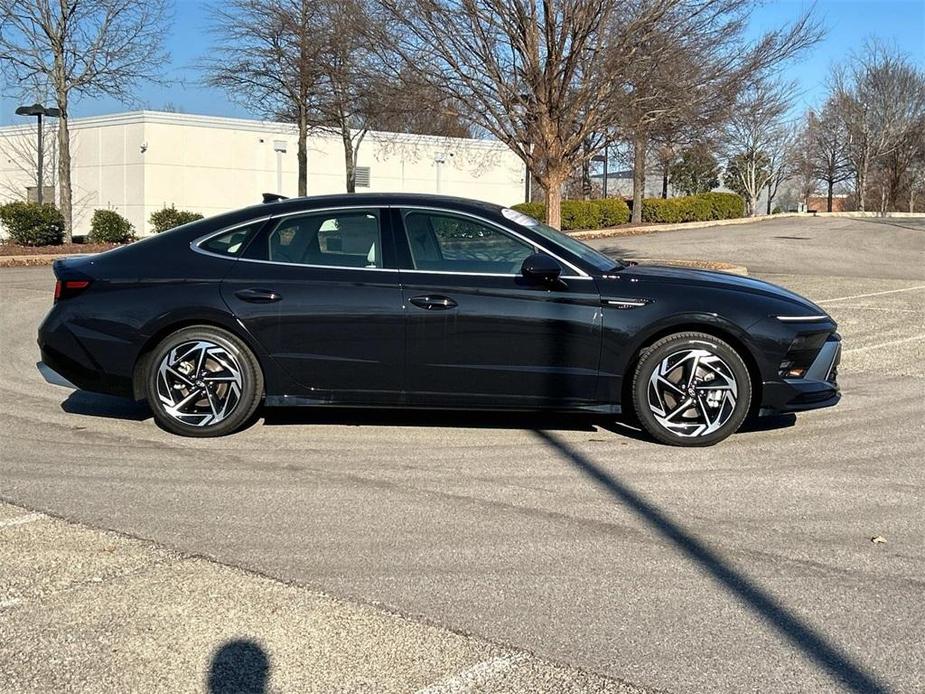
pixel 203 381
pixel 691 389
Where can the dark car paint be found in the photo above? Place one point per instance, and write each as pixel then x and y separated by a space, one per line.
pixel 352 336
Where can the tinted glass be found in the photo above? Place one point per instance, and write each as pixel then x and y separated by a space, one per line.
pixel 349 238
pixel 586 253
pixel 443 242
pixel 231 243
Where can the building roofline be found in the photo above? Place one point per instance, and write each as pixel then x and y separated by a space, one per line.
pixel 252 125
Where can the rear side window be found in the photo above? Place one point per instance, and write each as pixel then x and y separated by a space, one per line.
pixel 347 238
pixel 232 242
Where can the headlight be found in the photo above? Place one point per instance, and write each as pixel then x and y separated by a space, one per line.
pixel 802 352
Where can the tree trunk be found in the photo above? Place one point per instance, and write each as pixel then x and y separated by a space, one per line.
pixel 64 168
pixel 302 155
pixel 770 197
pixel 911 199
pixel 586 172
pixel 639 176
pixel 828 198
pixel 552 186
pixel 861 186
pixel 349 160
pixel 753 204
pixel 665 184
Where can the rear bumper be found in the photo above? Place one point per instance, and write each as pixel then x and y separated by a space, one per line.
pixel 817 389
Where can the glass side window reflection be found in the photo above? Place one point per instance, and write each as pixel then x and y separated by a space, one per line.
pixel 338 239
pixel 443 242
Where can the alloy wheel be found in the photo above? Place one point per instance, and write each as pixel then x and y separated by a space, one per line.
pixel 199 383
pixel 692 392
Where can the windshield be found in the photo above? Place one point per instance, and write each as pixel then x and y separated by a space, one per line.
pixel 586 253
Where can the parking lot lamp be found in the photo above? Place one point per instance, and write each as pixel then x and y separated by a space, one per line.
pixel 39 111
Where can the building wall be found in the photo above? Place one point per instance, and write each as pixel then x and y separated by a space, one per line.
pixel 136 163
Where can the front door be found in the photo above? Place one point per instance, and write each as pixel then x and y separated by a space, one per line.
pixel 319 292
pixel 479 333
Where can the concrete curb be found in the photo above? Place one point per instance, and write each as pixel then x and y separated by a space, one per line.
pixel 655 228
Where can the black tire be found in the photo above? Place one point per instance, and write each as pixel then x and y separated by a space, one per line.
pixel 239 387
pixel 729 373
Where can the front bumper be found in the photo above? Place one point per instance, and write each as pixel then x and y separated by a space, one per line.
pixel 817 389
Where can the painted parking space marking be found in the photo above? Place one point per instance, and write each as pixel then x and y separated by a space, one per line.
pixel 884 344
pixel 861 296
pixel 471 679
pixel 21 520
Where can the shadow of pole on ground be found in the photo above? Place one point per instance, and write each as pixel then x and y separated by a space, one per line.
pixel 810 642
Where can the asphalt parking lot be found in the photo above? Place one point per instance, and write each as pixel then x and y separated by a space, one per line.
pixel 486 553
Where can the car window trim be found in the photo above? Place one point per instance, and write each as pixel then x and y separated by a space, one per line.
pixel 582 275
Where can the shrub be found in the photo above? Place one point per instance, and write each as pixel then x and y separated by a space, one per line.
pixel 170 217
pixel 580 214
pixel 108 226
pixel 614 211
pixel 537 210
pixel 31 224
pixel 725 205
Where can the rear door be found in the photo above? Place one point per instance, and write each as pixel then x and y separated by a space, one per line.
pixel 320 291
pixel 478 332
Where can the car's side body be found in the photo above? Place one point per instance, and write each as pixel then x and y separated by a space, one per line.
pixel 396 332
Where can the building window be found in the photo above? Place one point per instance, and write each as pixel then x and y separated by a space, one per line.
pixel 362 177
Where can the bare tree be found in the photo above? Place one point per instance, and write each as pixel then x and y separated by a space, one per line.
pixel 267 57
pixel 881 99
pixel 81 48
pixel 688 74
pixel 540 77
pixel 756 138
pixel 825 139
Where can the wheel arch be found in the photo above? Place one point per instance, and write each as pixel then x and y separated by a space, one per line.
pixel 168 326
pixel 728 332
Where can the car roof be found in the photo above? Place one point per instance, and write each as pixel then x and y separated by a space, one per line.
pixel 309 202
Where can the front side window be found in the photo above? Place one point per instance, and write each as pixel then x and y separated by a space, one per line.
pixel 444 242
pixel 346 238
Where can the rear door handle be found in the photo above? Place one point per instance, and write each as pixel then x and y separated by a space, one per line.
pixel 258 296
pixel 433 303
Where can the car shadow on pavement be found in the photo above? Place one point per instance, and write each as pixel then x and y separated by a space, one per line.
pixel 98 405
pixel 240 666
pixel 282 416
pixel 811 643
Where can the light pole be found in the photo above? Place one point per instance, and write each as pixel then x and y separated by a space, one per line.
pixel 439 161
pixel 38 111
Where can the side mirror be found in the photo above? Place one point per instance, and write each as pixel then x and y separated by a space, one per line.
pixel 542 268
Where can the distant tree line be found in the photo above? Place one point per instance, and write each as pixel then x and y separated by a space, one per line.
pixel 678 86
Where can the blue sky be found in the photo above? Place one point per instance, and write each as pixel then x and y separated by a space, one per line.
pixel 849 22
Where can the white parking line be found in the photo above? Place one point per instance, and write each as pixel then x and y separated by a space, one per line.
pixel 883 344
pixel 20 520
pixel 861 296
pixel 471 679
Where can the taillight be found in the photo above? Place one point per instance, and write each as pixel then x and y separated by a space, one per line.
pixel 65 289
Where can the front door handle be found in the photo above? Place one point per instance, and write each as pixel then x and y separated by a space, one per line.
pixel 258 296
pixel 433 303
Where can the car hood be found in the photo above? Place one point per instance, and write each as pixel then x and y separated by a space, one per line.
pixel 716 280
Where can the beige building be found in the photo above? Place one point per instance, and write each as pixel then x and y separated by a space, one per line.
pixel 138 162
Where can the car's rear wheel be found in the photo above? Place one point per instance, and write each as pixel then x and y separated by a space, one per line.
pixel 691 389
pixel 203 381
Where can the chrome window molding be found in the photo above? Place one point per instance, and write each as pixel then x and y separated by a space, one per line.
pixel 194 245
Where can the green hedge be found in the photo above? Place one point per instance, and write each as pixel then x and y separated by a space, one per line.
pixel 170 217
pixel 692 208
pixel 582 214
pixel 31 224
pixel 108 226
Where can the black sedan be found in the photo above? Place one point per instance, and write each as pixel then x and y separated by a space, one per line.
pixel 394 300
